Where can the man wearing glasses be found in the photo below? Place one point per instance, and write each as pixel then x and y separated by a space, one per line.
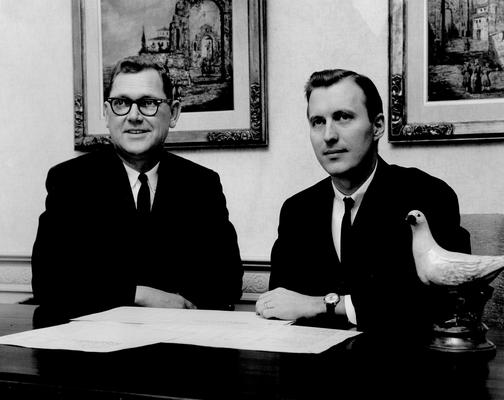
pixel 133 224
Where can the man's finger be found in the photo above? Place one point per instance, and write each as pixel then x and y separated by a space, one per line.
pixel 268 313
pixel 189 305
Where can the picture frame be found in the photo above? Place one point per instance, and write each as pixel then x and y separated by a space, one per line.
pixel 429 102
pixel 239 63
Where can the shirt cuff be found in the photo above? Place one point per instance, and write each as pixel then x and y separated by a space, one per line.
pixel 350 310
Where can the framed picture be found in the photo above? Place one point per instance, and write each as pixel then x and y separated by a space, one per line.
pixel 446 70
pixel 217 67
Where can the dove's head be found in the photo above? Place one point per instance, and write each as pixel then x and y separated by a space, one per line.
pixel 415 218
pixel 422 238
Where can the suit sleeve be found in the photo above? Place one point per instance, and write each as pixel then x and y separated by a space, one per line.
pixel 444 221
pixel 280 254
pixel 299 262
pixel 68 277
pixel 46 268
pixel 217 258
pixel 400 298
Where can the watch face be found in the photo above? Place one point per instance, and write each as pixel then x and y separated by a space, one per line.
pixel 332 298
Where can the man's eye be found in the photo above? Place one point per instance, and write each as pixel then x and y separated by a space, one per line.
pixel 342 116
pixel 119 102
pixel 317 122
pixel 148 102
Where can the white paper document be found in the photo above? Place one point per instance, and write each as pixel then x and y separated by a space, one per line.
pixel 149 315
pixel 128 327
pixel 83 336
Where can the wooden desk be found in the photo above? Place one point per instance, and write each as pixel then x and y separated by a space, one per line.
pixel 359 369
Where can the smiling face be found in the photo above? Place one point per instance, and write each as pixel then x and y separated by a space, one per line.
pixel 138 138
pixel 342 136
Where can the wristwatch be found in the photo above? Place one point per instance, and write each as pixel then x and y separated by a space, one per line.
pixel 331 300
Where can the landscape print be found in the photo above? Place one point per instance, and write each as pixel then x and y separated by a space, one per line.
pixel 193 38
pixel 465 49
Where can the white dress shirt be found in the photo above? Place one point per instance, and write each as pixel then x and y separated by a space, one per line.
pixel 337 218
pixel 152 176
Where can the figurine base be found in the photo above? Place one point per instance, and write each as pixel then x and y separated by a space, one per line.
pixel 461 340
pixel 459 328
pixel 460 345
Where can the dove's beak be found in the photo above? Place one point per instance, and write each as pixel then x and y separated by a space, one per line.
pixel 410 219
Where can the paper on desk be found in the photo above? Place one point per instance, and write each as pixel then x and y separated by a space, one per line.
pixel 128 327
pixel 150 315
pixel 279 338
pixel 237 329
pixel 83 336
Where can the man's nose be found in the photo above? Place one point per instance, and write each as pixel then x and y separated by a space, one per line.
pixel 134 113
pixel 331 131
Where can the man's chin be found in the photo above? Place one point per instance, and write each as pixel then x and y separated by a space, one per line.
pixel 336 169
pixel 136 144
pixel 136 150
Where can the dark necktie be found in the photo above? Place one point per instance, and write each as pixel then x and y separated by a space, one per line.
pixel 346 230
pixel 143 198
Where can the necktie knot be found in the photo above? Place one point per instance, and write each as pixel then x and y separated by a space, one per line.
pixel 143 178
pixel 349 203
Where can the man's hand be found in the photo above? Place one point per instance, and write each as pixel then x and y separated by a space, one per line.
pixel 286 304
pixel 149 297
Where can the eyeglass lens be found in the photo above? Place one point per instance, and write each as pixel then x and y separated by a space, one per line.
pixel 122 106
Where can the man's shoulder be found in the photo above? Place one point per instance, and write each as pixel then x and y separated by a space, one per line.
pixel 184 166
pixel 103 160
pixel 86 163
pixel 412 177
pixel 321 189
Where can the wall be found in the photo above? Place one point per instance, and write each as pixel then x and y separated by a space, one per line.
pixel 303 36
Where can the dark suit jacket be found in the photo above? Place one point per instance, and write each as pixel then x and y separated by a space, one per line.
pixel 92 250
pixel 382 277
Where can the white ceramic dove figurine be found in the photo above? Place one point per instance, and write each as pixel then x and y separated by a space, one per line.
pixel 438 266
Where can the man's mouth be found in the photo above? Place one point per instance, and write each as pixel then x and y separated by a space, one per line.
pixel 334 152
pixel 135 131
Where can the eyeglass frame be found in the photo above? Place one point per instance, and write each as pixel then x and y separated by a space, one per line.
pixel 158 102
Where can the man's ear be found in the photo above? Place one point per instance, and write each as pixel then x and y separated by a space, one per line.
pixel 378 126
pixel 107 111
pixel 175 113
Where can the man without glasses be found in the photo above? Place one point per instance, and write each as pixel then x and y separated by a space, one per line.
pixel 343 253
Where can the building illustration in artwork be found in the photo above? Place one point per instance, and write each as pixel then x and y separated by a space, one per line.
pixel 195 47
pixel 465 49
pixel 193 38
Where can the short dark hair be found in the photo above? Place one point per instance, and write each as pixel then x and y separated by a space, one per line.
pixel 135 64
pixel 329 77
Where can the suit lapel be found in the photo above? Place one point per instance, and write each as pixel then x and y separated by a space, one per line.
pixel 370 225
pixel 324 210
pixel 374 199
pixel 161 184
pixel 167 180
pixel 117 185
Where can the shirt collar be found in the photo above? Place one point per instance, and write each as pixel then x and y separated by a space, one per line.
pixel 358 195
pixel 151 174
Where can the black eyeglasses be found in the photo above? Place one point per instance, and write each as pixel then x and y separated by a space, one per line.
pixel 148 107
